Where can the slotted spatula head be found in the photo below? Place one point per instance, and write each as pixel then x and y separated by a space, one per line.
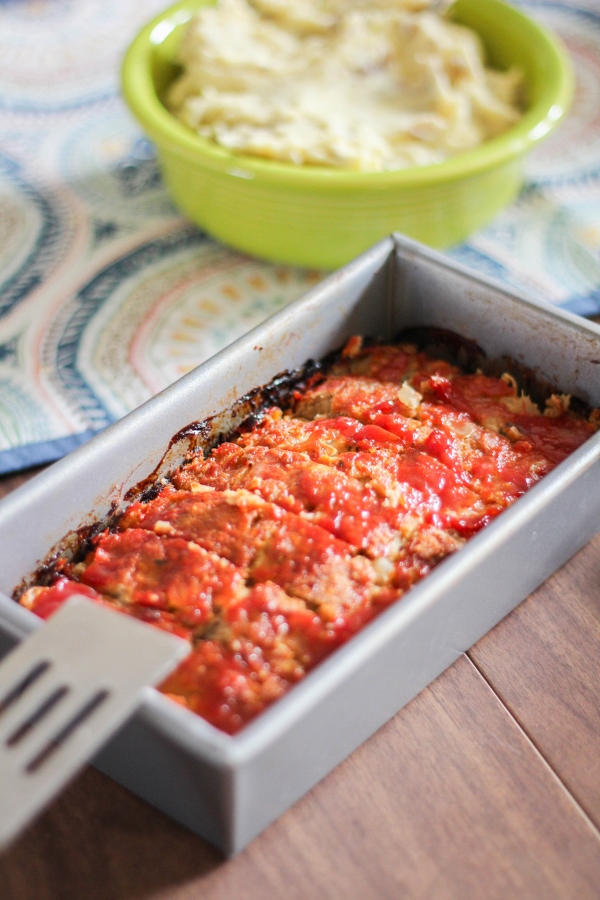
pixel 63 692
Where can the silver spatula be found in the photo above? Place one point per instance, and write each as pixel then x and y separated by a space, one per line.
pixel 63 692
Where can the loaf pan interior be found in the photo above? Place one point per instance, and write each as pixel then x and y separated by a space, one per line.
pixel 228 789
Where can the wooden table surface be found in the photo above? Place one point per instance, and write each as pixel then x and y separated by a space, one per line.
pixel 486 785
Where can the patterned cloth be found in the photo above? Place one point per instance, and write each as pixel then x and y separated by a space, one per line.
pixel 107 295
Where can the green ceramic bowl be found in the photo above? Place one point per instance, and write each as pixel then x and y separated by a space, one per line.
pixel 322 217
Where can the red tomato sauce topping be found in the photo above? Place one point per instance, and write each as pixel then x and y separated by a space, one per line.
pixel 282 544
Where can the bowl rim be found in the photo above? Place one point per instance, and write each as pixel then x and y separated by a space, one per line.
pixel 174 137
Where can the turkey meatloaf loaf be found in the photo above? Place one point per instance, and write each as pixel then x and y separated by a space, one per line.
pixel 282 542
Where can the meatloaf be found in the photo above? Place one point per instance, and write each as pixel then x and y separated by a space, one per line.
pixel 287 538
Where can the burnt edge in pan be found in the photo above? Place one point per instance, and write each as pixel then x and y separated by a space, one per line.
pixel 246 412
pixel 201 436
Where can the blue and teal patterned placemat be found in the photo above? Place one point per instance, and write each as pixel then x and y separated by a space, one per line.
pixel 107 295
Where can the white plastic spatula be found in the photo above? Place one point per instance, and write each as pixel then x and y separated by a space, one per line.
pixel 63 692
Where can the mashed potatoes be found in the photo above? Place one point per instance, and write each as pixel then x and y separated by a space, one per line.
pixel 372 85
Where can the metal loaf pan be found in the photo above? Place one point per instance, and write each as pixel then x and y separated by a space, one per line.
pixel 227 789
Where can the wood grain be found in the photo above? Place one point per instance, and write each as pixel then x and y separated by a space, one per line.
pixel 543 661
pixel 449 799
